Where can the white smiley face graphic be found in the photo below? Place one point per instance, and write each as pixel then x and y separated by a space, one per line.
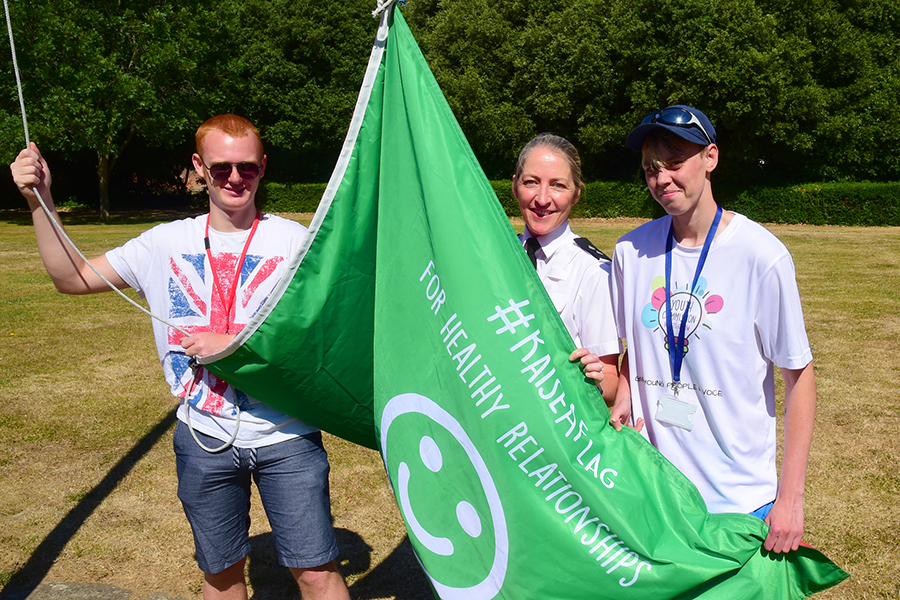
pixel 467 516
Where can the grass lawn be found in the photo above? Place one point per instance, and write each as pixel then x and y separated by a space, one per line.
pixel 88 489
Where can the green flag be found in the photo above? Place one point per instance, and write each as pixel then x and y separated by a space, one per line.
pixel 414 323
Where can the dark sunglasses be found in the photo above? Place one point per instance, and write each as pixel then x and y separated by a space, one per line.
pixel 677 117
pixel 222 171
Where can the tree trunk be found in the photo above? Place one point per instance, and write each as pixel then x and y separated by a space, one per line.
pixel 106 162
pixel 103 171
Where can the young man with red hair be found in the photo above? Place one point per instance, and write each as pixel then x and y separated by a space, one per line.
pixel 209 275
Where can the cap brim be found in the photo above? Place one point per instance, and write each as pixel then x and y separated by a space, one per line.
pixel 635 139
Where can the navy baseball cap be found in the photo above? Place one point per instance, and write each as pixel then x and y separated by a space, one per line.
pixel 684 121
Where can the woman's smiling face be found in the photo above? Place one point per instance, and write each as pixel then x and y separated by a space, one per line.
pixel 546 190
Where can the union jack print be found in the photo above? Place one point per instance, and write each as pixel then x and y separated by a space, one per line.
pixel 195 306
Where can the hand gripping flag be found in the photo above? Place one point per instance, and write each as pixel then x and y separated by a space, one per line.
pixel 414 323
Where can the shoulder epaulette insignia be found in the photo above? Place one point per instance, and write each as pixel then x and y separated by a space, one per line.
pixel 586 245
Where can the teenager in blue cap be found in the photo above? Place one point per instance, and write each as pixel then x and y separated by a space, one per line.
pixel 708 304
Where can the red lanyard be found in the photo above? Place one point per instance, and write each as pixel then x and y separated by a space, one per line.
pixel 232 296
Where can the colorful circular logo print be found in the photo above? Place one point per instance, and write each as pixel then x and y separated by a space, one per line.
pixel 447 497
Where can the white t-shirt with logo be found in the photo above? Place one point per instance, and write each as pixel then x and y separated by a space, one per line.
pixel 745 315
pixel 168 266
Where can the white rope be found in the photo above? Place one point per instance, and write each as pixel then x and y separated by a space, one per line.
pixel 187 417
pixel 12 47
pixel 65 236
pixel 62 232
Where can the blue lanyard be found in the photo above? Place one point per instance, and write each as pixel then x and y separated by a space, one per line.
pixel 677 345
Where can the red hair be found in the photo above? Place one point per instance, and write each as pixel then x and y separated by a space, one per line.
pixel 233 125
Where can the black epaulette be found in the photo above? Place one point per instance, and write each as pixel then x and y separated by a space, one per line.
pixel 586 245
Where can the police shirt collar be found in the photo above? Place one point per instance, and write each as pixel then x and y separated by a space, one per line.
pixel 554 240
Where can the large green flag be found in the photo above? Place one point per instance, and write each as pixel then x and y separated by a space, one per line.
pixel 414 323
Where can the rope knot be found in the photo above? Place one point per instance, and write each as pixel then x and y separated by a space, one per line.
pixel 382 6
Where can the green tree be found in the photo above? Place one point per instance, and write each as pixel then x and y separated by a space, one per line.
pixel 473 51
pixel 857 63
pixel 295 69
pixel 97 73
pixel 730 59
pixel 797 88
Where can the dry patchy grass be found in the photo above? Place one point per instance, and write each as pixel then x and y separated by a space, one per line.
pixel 88 490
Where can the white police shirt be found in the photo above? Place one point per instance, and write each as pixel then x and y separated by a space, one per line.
pixel 578 284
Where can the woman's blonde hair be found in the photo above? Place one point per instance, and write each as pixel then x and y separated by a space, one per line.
pixel 558 144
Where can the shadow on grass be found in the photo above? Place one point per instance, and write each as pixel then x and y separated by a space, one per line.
pixel 399 575
pixel 27 578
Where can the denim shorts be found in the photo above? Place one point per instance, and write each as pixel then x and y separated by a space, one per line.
pixel 292 478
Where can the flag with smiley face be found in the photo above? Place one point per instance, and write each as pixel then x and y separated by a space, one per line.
pixel 414 323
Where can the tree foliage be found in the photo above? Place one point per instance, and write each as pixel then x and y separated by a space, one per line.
pixel 98 73
pixel 295 69
pixel 799 90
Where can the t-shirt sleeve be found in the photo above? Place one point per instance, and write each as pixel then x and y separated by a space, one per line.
pixel 617 291
pixel 779 317
pixel 132 260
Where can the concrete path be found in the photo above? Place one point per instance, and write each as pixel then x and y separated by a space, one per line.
pixel 84 591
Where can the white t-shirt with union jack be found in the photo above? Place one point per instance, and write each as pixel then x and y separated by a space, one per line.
pixel 169 267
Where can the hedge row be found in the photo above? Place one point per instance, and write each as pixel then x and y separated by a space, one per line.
pixel 815 204
pixel 289 197
pixel 821 204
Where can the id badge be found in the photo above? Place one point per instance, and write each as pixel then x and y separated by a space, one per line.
pixel 673 411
